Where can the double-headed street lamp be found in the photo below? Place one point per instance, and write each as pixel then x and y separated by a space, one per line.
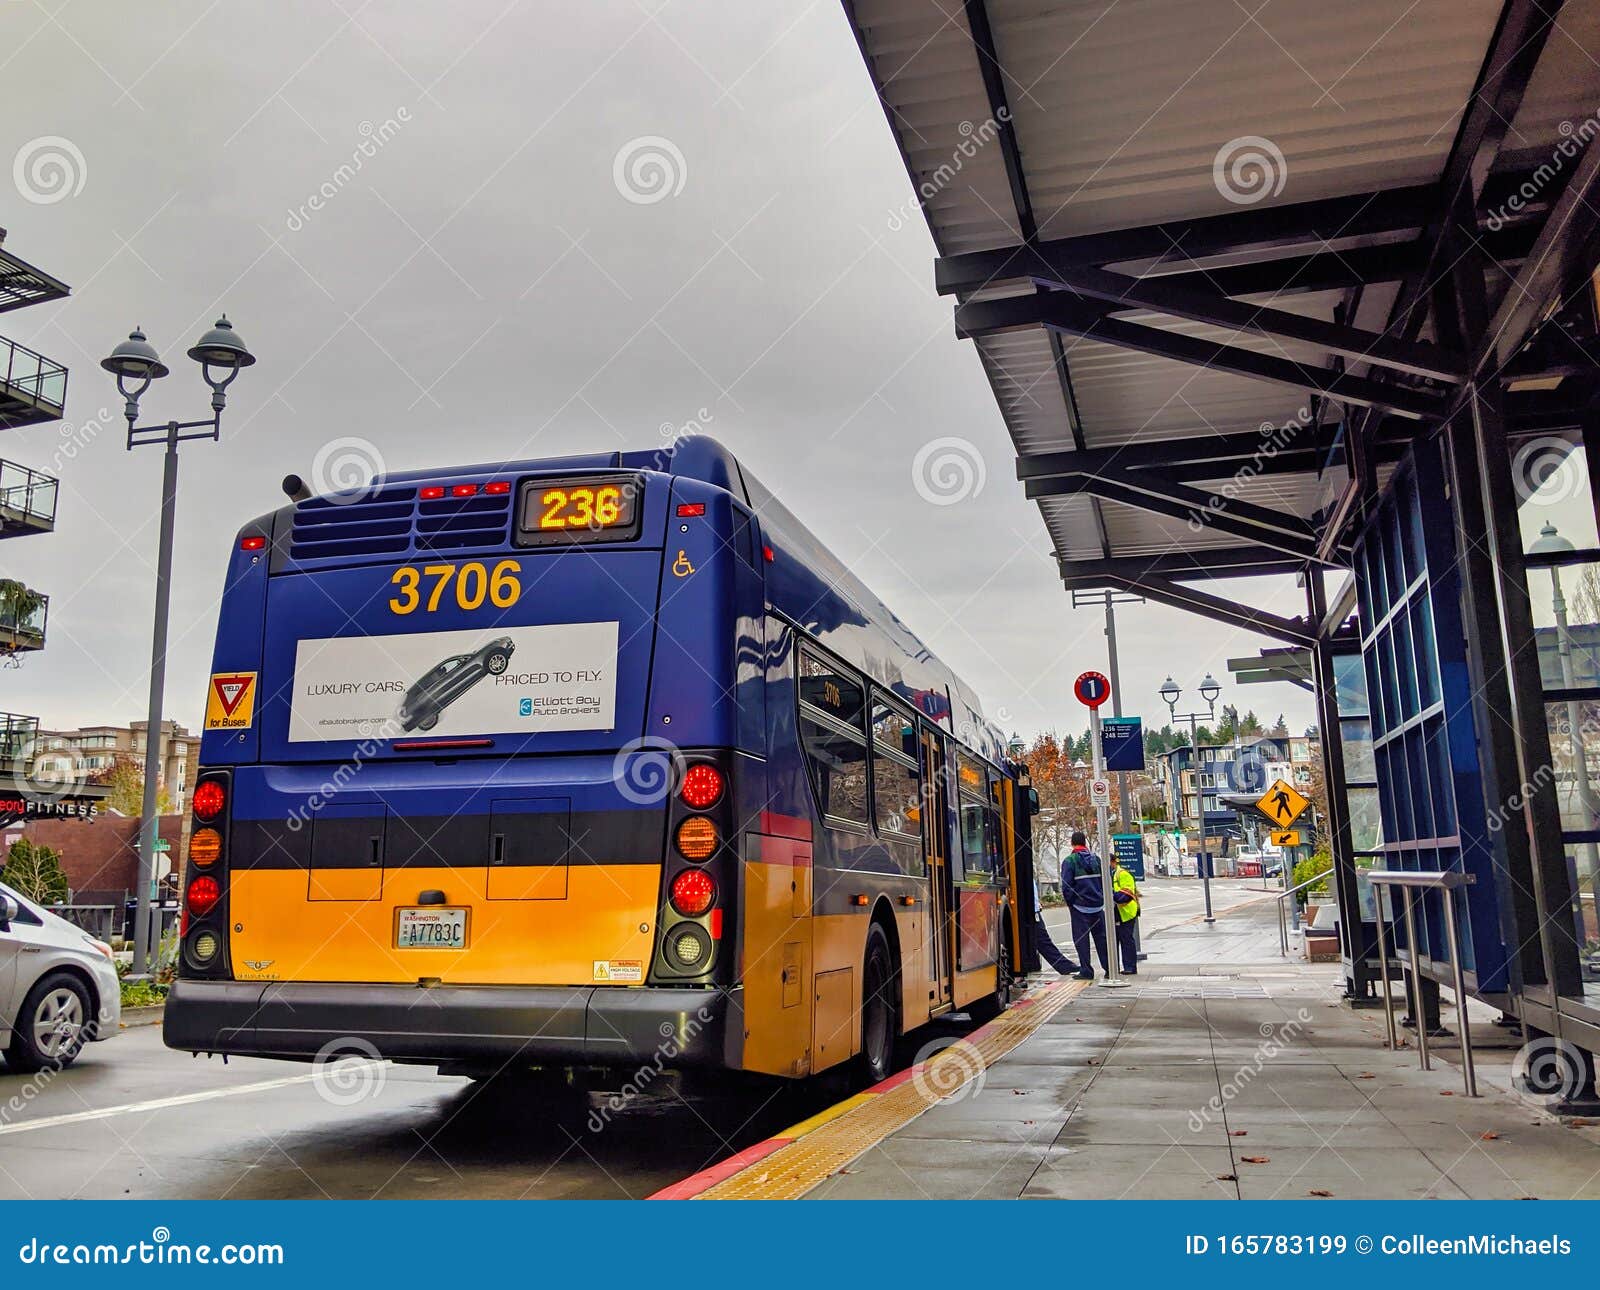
pixel 1209 690
pixel 135 364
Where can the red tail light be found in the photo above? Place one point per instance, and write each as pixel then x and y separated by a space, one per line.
pixel 432 493
pixel 463 490
pixel 252 542
pixel 691 510
pixel 209 799
pixel 692 892
pixel 702 787
pixel 497 488
pixel 204 893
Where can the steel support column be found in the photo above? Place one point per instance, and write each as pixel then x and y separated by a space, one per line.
pixel 1359 948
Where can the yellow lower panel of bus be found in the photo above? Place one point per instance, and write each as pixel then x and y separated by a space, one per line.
pixel 602 931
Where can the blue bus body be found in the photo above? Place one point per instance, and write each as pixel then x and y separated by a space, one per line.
pixel 530 825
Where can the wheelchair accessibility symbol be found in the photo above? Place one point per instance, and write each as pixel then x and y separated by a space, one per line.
pixel 681 568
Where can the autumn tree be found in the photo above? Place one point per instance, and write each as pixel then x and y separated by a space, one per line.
pixel 125 778
pixel 1063 792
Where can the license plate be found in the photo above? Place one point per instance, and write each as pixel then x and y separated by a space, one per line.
pixel 432 928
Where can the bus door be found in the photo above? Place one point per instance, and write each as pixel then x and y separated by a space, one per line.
pixel 936 850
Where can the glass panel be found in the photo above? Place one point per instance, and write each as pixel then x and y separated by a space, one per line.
pixel 838 693
pixel 1424 652
pixel 1350 685
pixel 1394 572
pixel 1393 714
pixel 1421 797
pixel 1550 473
pixel 1566 623
pixel 892 728
pixel 896 796
pixel 1405 666
pixel 1575 756
pixel 1416 547
pixel 1437 752
pixel 980 843
pixel 1366 825
pixel 839 769
pixel 1583 869
pixel 1356 736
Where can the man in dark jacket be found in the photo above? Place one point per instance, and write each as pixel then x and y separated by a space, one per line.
pixel 1084 893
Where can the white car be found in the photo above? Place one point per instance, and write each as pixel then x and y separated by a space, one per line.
pixel 58 987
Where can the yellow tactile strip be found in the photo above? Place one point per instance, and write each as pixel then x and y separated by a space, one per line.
pixel 824 1144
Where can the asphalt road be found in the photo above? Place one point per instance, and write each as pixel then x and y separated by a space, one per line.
pixel 133 1119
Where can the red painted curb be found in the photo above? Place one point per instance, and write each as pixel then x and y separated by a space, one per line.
pixel 690 1187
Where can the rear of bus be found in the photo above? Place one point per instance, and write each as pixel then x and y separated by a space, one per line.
pixel 470 766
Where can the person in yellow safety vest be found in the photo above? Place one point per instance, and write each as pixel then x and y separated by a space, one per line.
pixel 1125 892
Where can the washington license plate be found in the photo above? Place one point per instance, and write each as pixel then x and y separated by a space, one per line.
pixel 431 928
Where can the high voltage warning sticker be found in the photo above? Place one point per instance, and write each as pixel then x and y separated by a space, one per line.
pixel 231 701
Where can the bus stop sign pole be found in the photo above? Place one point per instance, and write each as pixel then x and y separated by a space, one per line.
pixel 1092 689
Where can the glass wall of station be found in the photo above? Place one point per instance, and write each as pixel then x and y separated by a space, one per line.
pixel 1424 779
pixel 1556 518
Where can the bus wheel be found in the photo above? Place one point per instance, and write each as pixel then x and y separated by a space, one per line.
pixel 878 1007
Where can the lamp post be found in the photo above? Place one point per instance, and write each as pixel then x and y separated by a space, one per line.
pixel 1209 690
pixel 1550 542
pixel 135 364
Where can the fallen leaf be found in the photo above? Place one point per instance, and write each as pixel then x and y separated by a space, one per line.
pixel 1489 1137
pixel 1579 1121
pixel 1447 1092
pixel 1237 1133
pixel 1366 1075
pixel 1255 1160
pixel 1318 1191
pixel 1094 1061
pixel 1227 1177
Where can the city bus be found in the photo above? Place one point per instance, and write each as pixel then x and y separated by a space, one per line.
pixel 582 764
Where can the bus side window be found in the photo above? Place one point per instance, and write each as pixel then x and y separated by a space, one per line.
pixel 897 782
pixel 833 730
pixel 980 823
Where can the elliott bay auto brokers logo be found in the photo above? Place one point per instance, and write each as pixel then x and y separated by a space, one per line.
pixel 525 707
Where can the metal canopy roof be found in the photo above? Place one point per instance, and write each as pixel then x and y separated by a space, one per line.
pixel 1195 244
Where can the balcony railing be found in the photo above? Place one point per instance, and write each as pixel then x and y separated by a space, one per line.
pixel 27 500
pixel 33 388
pixel 22 618
pixel 17 736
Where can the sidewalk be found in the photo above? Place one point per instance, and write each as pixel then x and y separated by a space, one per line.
pixel 1226 1072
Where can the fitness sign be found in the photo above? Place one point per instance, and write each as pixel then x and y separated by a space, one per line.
pixel 496 680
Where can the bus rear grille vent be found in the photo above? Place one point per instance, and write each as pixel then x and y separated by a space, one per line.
pixel 394 522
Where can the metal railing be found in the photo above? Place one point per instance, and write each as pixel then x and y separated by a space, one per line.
pixel 1410 882
pixel 17 734
pixel 99 921
pixel 31 376
pixel 24 623
pixel 27 496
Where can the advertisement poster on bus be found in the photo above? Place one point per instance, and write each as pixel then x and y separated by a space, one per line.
pixel 494 680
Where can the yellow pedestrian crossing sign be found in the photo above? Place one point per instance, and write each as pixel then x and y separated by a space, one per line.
pixel 1283 804
pixel 1284 838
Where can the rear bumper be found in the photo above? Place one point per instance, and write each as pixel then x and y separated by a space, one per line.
pixel 586 1025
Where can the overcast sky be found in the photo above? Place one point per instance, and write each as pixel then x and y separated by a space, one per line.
pixel 570 226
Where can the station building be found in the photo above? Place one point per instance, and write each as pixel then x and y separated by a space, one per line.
pixel 1310 295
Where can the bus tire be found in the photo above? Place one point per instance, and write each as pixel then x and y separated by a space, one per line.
pixel 879 1007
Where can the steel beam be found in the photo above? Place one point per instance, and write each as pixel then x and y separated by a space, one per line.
pixel 1199 508
pixel 1299 224
pixel 1248 560
pixel 1292 631
pixel 1071 315
pixel 1415 358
